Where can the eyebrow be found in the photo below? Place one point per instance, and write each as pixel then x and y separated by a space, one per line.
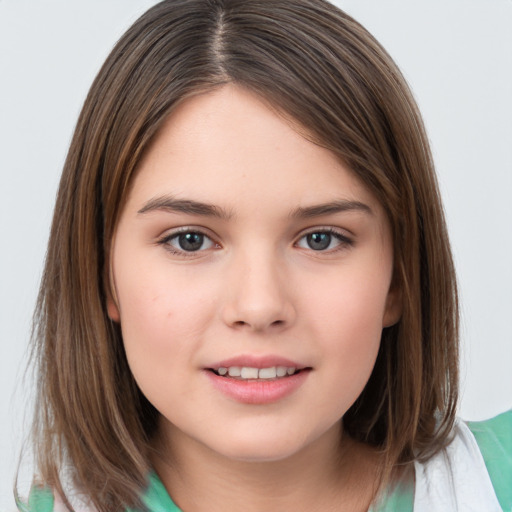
pixel 330 208
pixel 191 207
pixel 188 206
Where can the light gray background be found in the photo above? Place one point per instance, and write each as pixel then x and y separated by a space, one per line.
pixel 456 54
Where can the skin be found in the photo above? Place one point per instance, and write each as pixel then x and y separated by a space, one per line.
pixel 255 287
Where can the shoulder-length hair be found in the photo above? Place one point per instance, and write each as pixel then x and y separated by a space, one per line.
pixel 318 66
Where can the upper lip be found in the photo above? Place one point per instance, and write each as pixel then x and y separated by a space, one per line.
pixel 251 361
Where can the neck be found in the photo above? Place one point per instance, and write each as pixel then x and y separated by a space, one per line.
pixel 331 473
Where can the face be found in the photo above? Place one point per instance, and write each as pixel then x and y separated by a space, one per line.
pixel 252 277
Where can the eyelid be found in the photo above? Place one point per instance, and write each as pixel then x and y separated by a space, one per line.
pixel 343 239
pixel 173 233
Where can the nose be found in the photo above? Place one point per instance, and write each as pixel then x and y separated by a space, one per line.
pixel 258 296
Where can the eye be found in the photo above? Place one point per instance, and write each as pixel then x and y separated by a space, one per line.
pixel 324 240
pixel 187 242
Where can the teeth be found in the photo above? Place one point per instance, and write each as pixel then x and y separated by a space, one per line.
pixel 267 373
pixel 247 372
pixel 281 371
pixel 234 371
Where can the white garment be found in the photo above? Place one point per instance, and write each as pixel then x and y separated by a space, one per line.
pixel 456 479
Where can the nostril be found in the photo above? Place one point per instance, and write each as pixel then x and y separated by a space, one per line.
pixel 242 323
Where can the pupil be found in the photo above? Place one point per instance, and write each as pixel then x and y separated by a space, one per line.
pixel 191 241
pixel 319 241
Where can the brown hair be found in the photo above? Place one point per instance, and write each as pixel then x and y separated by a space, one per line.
pixel 318 66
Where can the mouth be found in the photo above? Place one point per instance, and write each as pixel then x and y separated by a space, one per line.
pixel 261 379
pixel 246 373
pixel 255 385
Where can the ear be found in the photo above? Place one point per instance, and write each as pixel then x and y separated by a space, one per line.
pixel 112 302
pixel 394 306
pixel 112 308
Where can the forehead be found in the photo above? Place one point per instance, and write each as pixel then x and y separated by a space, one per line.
pixel 229 147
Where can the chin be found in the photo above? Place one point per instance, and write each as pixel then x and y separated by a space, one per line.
pixel 258 448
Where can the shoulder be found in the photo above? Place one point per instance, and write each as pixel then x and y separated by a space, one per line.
pixel 155 498
pixel 42 499
pixel 494 439
pixel 473 472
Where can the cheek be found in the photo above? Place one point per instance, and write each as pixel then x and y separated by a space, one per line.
pixel 350 305
pixel 161 324
pixel 162 330
pixel 347 321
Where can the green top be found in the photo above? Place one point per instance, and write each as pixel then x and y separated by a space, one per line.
pixel 158 500
pixel 494 438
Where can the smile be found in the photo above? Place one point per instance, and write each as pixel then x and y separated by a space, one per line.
pixel 249 373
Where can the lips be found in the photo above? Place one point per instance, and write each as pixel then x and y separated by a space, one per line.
pixel 257 380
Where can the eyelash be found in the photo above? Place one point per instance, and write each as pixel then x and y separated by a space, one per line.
pixel 344 241
pixel 166 239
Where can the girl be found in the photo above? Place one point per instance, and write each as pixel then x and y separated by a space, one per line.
pixel 249 298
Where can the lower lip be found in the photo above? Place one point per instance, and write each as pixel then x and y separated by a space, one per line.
pixel 258 391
